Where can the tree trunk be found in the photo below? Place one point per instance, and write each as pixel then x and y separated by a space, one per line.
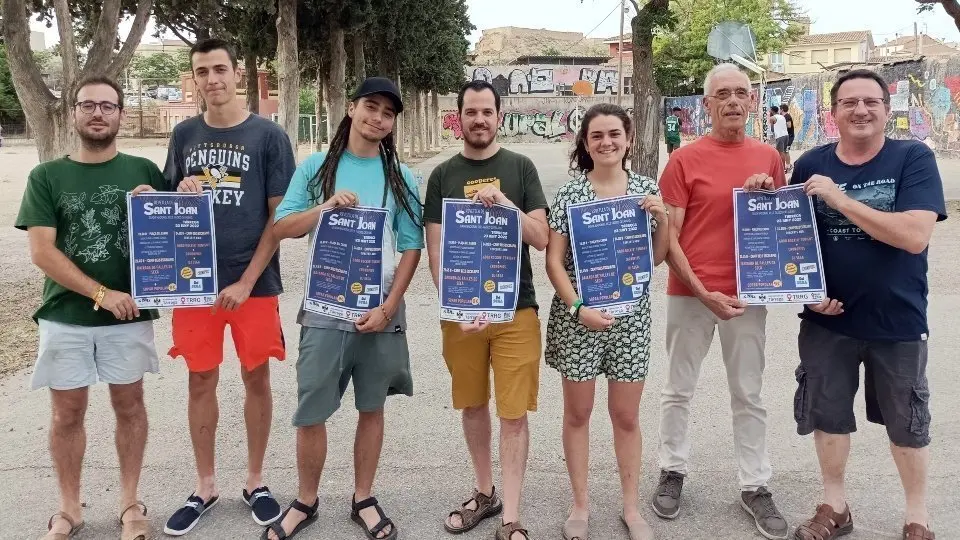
pixel 318 110
pixel 359 59
pixel 423 123
pixel 336 97
pixel 288 69
pixel 436 122
pixel 414 129
pixel 400 128
pixel 48 117
pixel 646 95
pixel 253 81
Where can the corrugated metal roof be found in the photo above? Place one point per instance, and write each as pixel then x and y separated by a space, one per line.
pixel 836 37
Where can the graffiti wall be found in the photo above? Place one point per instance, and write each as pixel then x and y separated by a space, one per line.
pixel 924 102
pixel 547 80
pixel 524 119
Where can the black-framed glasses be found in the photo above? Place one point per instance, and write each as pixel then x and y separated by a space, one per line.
pixel 851 103
pixel 725 94
pixel 106 107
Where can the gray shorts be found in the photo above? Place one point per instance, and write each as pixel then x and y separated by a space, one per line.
pixel 895 385
pixel 378 363
pixel 782 144
pixel 71 356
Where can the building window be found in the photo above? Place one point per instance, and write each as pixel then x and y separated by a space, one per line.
pixel 628 85
pixel 819 56
pixel 798 58
pixel 776 62
pixel 841 55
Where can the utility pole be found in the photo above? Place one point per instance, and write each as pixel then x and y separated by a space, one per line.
pixel 623 7
pixel 916 39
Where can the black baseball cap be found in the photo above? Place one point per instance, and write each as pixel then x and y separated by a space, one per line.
pixel 380 85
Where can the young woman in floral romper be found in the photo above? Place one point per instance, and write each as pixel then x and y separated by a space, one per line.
pixel 583 342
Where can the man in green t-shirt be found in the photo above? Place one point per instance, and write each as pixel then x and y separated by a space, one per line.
pixel 75 214
pixel 671 130
pixel 492 175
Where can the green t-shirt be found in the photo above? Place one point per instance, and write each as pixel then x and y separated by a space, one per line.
pixel 512 173
pixel 86 203
pixel 672 129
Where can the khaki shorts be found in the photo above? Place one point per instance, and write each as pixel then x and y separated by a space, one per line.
pixel 512 349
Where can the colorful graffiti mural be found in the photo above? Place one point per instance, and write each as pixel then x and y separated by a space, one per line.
pixel 924 103
pixel 546 79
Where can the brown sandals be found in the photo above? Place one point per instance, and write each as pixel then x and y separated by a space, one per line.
pixel 826 525
pixel 469 518
pixel 137 528
pixel 915 531
pixel 74 527
pixel 505 531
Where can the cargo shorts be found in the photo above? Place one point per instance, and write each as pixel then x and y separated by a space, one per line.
pixel 895 385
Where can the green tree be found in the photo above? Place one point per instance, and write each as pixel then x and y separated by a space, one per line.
pixel 155 69
pixel 308 101
pixel 681 52
pixel 82 24
pixel 10 109
pixel 952 8
pixel 552 51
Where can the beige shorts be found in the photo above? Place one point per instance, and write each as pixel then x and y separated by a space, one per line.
pixel 71 356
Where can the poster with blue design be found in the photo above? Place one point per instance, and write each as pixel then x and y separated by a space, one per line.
pixel 777 247
pixel 479 261
pixel 173 249
pixel 345 263
pixel 612 252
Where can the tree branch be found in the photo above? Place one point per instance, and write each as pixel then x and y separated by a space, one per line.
pixel 952 7
pixel 104 37
pixel 181 37
pixel 24 69
pixel 161 16
pixel 139 26
pixel 68 49
pixel 636 6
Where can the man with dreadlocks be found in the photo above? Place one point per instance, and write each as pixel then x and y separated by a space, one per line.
pixel 360 168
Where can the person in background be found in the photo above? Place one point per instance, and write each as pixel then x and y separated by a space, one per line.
pixel 785 112
pixel 781 136
pixel 671 130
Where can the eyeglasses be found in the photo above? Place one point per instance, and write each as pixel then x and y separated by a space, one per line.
pixel 725 94
pixel 850 104
pixel 106 107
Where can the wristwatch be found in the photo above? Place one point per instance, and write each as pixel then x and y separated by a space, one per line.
pixel 574 310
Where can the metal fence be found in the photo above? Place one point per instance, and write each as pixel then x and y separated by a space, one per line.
pixel 13 125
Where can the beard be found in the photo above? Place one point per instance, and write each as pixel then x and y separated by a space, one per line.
pixel 479 141
pixel 97 141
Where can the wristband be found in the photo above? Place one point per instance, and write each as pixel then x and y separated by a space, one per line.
pixel 98 297
pixel 575 308
pixel 389 318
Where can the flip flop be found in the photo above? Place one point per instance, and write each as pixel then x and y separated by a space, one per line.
pixel 576 529
pixel 638 529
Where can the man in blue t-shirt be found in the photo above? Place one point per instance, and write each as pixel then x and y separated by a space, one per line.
pixel 876 201
pixel 359 169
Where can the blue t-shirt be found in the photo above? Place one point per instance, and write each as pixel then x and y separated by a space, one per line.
pixel 883 288
pixel 365 178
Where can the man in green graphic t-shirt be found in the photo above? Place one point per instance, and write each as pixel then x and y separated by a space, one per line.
pixel 75 213
pixel 671 130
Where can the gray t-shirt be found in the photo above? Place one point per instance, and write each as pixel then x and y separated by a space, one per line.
pixel 244 166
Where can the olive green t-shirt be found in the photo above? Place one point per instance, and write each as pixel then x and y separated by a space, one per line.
pixel 87 204
pixel 513 174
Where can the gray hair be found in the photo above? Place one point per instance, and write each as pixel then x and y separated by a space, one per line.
pixel 718 69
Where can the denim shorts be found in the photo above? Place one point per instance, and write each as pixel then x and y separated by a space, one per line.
pixel 895 385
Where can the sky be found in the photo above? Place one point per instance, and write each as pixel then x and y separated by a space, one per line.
pixel 601 19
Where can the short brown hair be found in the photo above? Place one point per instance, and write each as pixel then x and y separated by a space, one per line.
pixel 94 80
pixel 214 44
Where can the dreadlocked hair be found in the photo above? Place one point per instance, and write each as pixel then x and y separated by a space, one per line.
pixel 323 184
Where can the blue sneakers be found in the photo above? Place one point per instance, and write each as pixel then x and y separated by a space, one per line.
pixel 186 518
pixel 266 509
